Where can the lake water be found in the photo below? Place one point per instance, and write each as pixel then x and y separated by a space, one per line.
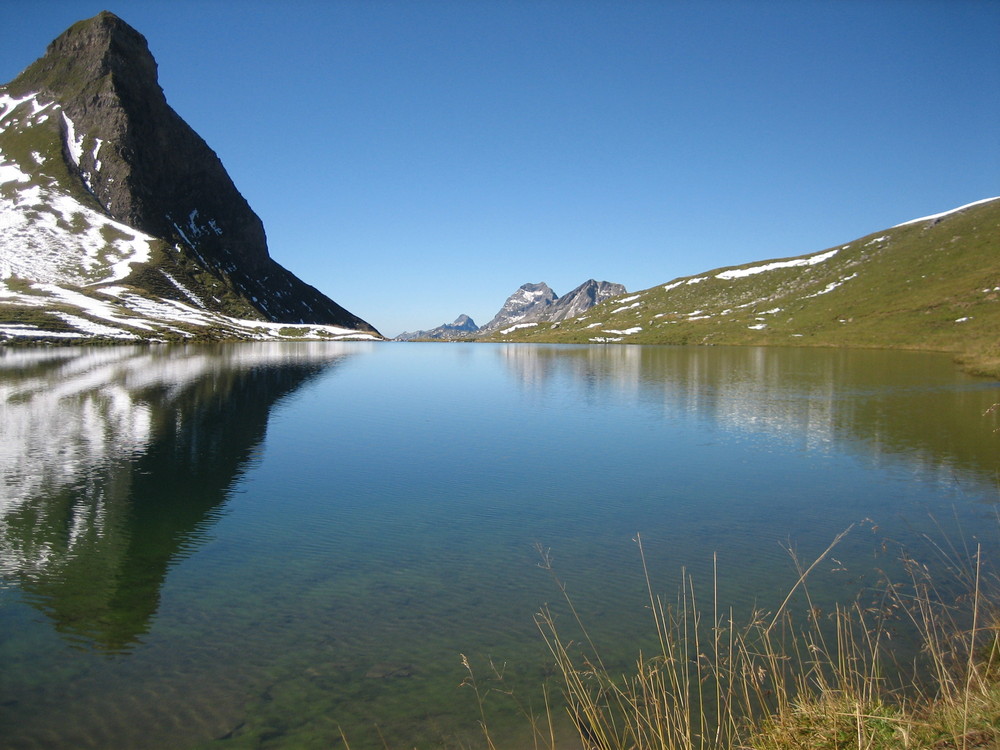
pixel 252 546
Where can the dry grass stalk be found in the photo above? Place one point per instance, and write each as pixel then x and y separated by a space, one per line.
pixel 772 685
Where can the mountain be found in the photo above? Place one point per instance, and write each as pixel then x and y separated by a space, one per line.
pixel 931 283
pixel 119 220
pixel 581 299
pixel 535 303
pixel 463 327
pixel 528 302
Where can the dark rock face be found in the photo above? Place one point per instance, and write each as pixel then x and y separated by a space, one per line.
pixel 463 327
pixel 153 172
pixel 581 299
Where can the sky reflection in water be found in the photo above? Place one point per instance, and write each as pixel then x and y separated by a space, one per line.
pixel 266 540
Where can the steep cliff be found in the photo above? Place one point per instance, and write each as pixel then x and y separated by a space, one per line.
pixel 88 122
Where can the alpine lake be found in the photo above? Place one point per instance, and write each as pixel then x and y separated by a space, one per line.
pixel 268 545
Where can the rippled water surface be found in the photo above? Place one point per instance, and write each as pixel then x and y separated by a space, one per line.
pixel 256 546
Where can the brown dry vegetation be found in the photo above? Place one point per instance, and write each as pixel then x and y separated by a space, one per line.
pixel 772 684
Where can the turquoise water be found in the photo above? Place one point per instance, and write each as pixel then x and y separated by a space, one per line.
pixel 260 545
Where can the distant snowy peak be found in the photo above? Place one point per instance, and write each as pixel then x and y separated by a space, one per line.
pixel 463 327
pixel 535 303
pixel 527 302
pixel 530 294
pixel 529 305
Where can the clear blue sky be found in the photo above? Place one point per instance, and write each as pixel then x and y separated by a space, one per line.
pixel 420 159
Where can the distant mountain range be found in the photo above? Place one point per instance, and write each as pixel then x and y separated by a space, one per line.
pixel 462 328
pixel 930 283
pixel 530 304
pixel 120 223
pixel 535 303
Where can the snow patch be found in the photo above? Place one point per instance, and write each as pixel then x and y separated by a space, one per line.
pixel 35 243
pixel 945 213
pixel 626 307
pixel 183 289
pixel 93 307
pixel 738 273
pixel 9 104
pixel 90 328
pixel 830 287
pixel 15 331
pixel 519 325
pixel 97 147
pixel 74 145
pixel 12 173
pixel 183 236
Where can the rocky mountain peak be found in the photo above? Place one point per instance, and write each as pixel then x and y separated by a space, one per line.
pixel 533 303
pixel 527 303
pixel 146 166
pixel 584 297
pixel 463 327
pixel 87 53
pixel 128 154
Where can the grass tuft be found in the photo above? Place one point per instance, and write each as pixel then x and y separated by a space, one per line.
pixel 778 682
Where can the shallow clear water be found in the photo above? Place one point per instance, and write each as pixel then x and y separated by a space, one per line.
pixel 256 545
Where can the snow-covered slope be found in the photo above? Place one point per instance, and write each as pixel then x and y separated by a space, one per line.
pixel 47 235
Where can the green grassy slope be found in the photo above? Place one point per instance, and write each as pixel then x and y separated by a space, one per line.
pixel 932 284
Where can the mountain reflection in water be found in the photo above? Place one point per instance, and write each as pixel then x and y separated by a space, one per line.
pixel 227 564
pixel 114 463
pixel 867 401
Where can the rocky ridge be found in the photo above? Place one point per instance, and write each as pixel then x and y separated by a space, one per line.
pixel 463 327
pixel 536 303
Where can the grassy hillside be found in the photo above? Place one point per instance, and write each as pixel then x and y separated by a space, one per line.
pixel 930 284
